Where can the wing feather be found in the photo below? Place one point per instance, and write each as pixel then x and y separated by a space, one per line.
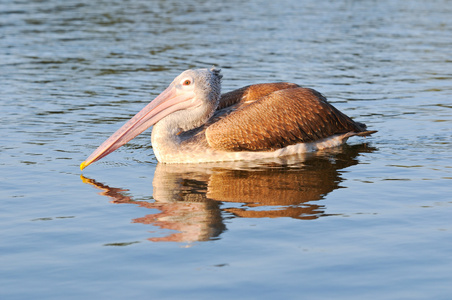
pixel 252 93
pixel 275 118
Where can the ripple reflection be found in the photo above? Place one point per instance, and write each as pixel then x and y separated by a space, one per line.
pixel 194 199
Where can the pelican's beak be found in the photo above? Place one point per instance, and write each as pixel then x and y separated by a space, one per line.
pixel 169 101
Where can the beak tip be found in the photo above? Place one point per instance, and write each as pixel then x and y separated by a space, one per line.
pixel 83 165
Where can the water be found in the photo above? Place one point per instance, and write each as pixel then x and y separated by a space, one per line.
pixel 368 220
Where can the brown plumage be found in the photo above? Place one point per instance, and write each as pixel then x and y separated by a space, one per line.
pixel 252 93
pixel 275 115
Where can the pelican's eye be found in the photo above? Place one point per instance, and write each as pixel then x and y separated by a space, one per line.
pixel 186 82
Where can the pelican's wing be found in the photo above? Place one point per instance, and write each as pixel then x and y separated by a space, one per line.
pixel 251 93
pixel 276 120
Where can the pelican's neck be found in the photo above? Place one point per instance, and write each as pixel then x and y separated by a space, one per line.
pixel 165 139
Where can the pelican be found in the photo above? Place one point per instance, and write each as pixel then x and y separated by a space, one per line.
pixel 193 122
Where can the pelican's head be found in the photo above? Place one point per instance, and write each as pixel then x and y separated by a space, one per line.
pixel 204 88
pixel 188 102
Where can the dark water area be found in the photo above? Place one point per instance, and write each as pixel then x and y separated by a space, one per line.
pixel 368 220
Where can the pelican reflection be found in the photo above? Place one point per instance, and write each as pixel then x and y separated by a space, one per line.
pixel 194 199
